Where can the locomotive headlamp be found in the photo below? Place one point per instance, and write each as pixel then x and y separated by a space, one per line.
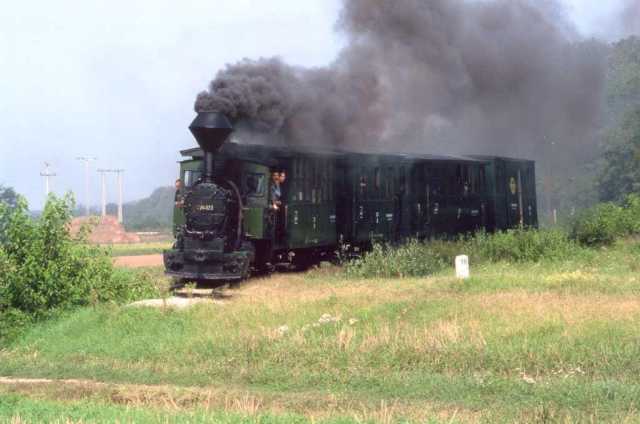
pixel 211 130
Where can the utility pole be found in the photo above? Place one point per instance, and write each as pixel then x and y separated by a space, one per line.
pixel 87 195
pixel 46 173
pixel 104 191
pixel 118 172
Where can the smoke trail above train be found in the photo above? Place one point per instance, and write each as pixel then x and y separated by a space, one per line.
pixel 450 76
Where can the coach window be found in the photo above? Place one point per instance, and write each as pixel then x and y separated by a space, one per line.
pixel 254 184
pixel 324 182
pixel 473 179
pixel 328 184
pixel 190 177
pixel 315 193
pixel 362 183
pixel 388 183
pixel 402 180
pixel 416 179
pixel 307 171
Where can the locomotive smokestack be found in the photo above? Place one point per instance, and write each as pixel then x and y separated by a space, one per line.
pixel 211 130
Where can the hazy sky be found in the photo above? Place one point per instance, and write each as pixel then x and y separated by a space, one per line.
pixel 117 79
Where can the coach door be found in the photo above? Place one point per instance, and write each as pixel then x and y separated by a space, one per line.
pixel 311 212
pixel 521 193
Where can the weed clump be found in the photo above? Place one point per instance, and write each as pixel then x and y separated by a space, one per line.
pixel 412 259
pixel 526 245
pixel 43 270
pixel 418 259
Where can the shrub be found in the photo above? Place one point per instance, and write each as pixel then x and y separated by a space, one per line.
pixel 43 270
pixel 526 245
pixel 413 259
pixel 632 214
pixel 601 225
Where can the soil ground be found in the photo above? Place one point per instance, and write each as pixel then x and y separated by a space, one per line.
pixel 138 261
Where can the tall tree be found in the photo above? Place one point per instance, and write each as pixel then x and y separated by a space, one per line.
pixel 8 196
pixel 621 171
pixel 623 77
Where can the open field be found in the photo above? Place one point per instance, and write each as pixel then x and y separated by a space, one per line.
pixel 536 342
pixel 138 249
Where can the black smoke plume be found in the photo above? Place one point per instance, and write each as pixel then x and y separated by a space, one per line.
pixel 505 77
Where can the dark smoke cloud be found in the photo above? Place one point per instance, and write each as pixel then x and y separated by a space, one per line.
pixel 272 100
pixel 501 77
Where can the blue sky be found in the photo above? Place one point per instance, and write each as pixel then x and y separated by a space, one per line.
pixel 117 79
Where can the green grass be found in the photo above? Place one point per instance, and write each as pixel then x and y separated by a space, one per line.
pixel 137 249
pixel 20 409
pixel 554 340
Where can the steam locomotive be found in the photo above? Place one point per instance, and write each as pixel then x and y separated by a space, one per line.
pixel 333 199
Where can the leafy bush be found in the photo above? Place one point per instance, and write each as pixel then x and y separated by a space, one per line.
pixel 43 270
pixel 522 246
pixel 606 222
pixel 415 259
pixel 412 259
pixel 632 214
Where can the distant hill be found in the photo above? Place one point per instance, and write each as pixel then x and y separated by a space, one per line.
pixel 152 213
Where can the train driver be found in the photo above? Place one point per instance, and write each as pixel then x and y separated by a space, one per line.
pixel 281 219
pixel 179 197
pixel 276 192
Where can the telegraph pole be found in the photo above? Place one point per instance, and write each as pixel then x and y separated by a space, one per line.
pixel 104 191
pixel 46 173
pixel 118 172
pixel 87 195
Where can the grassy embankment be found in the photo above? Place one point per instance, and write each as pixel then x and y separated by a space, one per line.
pixel 547 341
pixel 137 249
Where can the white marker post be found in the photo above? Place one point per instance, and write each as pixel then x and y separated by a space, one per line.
pixel 462 267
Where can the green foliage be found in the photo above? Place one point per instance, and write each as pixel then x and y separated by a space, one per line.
pixel 604 223
pixel 8 196
pixel 415 259
pixel 137 249
pixel 495 347
pixel 45 271
pixel 623 78
pixel 522 246
pixel 407 260
pixel 632 214
pixel 24 409
pixel 621 173
pixel 152 213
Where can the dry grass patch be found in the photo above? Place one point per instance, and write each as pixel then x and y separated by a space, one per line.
pixel 525 308
pixel 313 405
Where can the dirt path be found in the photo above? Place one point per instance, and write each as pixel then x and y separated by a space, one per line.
pixel 138 261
